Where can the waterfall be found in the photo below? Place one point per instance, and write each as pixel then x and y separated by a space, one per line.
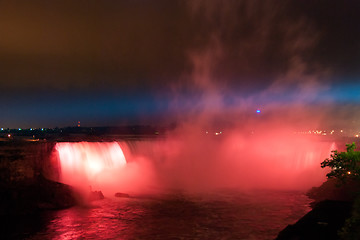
pixel 83 163
pixel 193 164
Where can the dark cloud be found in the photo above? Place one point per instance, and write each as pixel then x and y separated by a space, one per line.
pixel 82 48
pixel 67 44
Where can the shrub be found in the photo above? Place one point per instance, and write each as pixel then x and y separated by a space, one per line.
pixel 344 165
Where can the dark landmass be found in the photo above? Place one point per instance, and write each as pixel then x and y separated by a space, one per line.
pixel 28 179
pixel 333 210
pixel 34 196
pixel 83 133
pixel 75 134
pixel 334 190
pixel 323 222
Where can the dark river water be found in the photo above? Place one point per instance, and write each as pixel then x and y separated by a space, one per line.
pixel 226 214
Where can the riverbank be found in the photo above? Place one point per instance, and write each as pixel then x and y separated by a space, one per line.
pixel 334 215
pixel 25 186
pixel 33 196
pixel 323 222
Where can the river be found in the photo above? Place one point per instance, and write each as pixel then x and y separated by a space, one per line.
pixel 222 214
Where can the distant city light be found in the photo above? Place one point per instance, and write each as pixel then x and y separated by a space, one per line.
pixel 2 129
pixel 42 129
pixel 328 132
pixel 19 129
pixel 258 111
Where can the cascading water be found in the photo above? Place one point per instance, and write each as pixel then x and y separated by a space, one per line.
pixel 83 164
pixel 169 163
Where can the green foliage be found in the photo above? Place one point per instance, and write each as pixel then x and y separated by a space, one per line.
pixel 344 165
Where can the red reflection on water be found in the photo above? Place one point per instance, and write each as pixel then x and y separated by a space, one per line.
pixel 99 222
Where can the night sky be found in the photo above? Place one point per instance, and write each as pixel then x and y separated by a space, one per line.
pixel 109 63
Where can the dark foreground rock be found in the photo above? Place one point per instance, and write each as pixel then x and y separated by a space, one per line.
pixel 96 195
pixel 25 170
pixel 122 195
pixel 333 189
pixel 333 208
pixel 30 197
pixel 323 222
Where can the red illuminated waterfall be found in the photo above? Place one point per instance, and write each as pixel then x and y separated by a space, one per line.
pixel 89 164
pixel 263 162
